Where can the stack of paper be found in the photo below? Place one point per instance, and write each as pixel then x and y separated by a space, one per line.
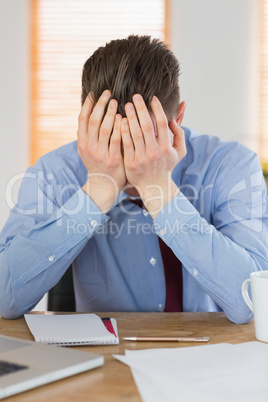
pixel 211 373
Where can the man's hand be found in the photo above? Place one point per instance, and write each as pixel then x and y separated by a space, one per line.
pixel 99 147
pixel 149 155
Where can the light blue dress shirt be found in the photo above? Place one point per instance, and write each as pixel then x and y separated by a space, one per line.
pixel 217 226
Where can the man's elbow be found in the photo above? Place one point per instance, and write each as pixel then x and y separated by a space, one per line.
pixel 240 316
pixel 9 309
pixel 8 312
pixel 9 315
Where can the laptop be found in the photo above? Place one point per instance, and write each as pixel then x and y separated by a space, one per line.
pixel 27 364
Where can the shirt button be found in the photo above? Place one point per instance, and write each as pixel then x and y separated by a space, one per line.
pixel 152 261
pixel 160 308
pixel 145 213
pixel 163 231
pixel 51 258
pixel 93 223
pixel 195 272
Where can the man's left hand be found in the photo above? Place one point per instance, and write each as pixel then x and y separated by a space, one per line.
pixel 149 153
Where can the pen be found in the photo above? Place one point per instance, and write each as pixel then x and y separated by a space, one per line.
pixel 168 338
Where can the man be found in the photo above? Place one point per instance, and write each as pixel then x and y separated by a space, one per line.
pixel 77 204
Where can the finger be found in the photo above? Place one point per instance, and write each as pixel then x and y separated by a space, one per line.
pixel 84 116
pixel 115 141
pixel 161 122
pixel 96 116
pixel 108 124
pixel 145 120
pixel 135 129
pixel 179 138
pixel 128 146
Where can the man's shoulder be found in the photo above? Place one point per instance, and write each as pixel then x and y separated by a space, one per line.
pixel 61 165
pixel 209 158
pixel 210 147
pixel 64 156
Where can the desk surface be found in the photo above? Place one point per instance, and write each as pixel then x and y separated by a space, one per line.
pixel 113 382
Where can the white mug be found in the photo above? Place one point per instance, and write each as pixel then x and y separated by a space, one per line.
pixel 259 303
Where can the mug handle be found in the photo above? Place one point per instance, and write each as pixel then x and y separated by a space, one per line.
pixel 246 295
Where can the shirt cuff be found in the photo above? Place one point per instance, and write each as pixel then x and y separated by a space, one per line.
pixel 174 217
pixel 82 210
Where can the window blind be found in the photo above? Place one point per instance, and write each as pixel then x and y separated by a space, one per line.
pixel 64 34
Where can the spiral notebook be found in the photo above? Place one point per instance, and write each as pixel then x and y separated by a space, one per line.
pixel 72 329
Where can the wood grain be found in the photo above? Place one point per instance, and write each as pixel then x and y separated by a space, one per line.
pixel 113 382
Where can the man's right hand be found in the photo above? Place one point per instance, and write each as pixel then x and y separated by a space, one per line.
pixel 99 147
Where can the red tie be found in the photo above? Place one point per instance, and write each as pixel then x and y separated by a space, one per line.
pixel 173 277
pixel 173 273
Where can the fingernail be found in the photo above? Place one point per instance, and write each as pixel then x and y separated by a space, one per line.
pixel 106 93
pixel 137 98
pixel 113 103
pixel 129 106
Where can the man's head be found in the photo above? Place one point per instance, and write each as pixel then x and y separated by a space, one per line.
pixel 137 64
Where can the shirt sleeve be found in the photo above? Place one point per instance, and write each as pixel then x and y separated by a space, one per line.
pixel 221 254
pixel 39 242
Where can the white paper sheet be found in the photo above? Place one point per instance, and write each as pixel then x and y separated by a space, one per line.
pixel 207 373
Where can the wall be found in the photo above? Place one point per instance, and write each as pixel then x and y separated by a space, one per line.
pixel 14 99
pixel 216 42
pixel 14 95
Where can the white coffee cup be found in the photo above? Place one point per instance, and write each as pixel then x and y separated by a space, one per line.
pixel 259 303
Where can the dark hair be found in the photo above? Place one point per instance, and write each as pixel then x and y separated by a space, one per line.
pixel 137 64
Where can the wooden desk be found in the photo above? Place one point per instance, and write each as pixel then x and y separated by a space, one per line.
pixel 113 382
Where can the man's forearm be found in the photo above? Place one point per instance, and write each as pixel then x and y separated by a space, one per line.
pixel 216 262
pixel 103 192
pixel 36 259
pixel 156 196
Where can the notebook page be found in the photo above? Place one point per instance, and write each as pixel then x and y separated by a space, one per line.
pixel 69 329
